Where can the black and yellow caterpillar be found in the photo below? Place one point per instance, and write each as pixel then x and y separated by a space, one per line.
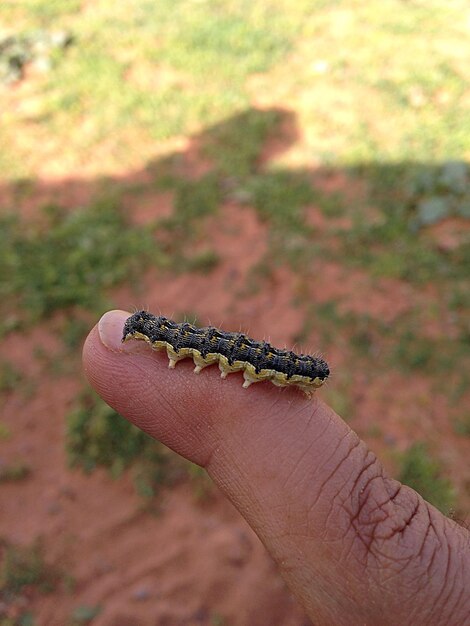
pixel 235 352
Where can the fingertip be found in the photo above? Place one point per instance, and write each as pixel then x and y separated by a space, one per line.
pixel 110 329
pixel 102 348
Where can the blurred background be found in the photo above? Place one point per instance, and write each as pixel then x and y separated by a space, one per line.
pixel 297 170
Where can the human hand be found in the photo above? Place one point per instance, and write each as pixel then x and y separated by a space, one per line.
pixel 355 546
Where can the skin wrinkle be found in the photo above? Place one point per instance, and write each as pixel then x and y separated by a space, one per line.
pixel 109 397
pixel 340 504
pixel 224 458
pixel 366 495
pixel 224 480
pixel 310 446
pixel 420 613
pixel 281 418
pixel 409 558
pixel 292 450
pixel 445 586
pixel 364 503
pixel 395 532
pixel 272 452
pixel 349 549
pixel 350 491
pixel 277 404
pixel 459 598
pixel 446 571
pixel 394 495
pixel 290 477
pixel 347 540
pixel 397 490
pixel 340 464
pixel 394 572
pixel 403 528
pixel 363 469
pixel 366 499
pixel 334 509
pixel 317 470
pixel 311 472
pixel 259 443
pixel 415 591
pixel 461 595
pixel 298 410
pixel 212 426
pixel 430 527
pixel 240 440
pixel 317 585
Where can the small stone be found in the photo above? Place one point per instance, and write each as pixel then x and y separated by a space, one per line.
pixel 141 594
pixel 53 508
pixel 67 492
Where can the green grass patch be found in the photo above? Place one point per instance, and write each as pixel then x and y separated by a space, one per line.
pixel 414 352
pixel 424 474
pixel 202 262
pixel 14 472
pixel 201 485
pixel 217 620
pixel 24 566
pixel 73 331
pixel 236 145
pixel 10 377
pixel 331 204
pixel 5 432
pixel 70 259
pixel 326 316
pixel 84 614
pixel 338 393
pixel 410 197
pixel 280 197
pixel 462 424
pixel 98 436
pixel 40 11
pixel 193 201
pixel 239 41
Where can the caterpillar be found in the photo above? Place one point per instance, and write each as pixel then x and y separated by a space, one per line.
pixel 234 352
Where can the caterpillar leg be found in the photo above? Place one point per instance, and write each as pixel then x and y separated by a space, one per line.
pixel 173 357
pixel 249 379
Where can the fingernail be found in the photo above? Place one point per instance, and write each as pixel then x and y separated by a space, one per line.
pixel 110 329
